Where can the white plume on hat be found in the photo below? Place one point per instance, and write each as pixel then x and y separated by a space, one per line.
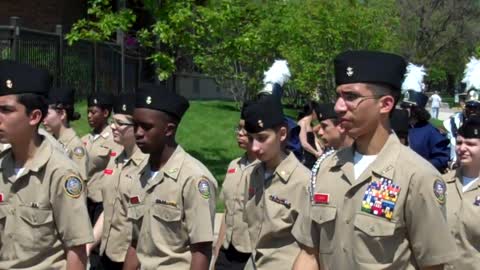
pixel 278 73
pixel 414 78
pixel 472 74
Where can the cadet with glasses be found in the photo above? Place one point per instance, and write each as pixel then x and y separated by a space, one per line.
pixel 376 204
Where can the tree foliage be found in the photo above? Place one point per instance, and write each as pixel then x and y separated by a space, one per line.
pixel 235 41
pixel 102 23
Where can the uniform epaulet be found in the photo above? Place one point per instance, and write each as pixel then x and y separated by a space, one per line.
pixel 315 168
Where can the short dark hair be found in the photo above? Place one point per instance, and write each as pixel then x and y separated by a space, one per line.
pixel 420 114
pixel 33 102
pixel 385 90
pixel 72 115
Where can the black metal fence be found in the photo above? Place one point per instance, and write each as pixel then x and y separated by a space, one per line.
pixel 85 66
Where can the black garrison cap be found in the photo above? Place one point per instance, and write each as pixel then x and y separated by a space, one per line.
pixel 412 97
pixel 325 111
pixel 263 114
pixel 18 78
pixel 162 98
pixel 370 67
pixel 100 98
pixel 124 103
pixel 61 95
pixel 471 128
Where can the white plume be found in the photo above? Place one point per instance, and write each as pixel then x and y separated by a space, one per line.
pixel 278 73
pixel 472 74
pixel 414 78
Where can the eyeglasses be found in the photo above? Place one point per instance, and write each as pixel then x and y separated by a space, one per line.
pixel 353 100
pixel 239 130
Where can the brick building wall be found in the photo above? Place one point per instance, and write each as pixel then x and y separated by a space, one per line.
pixel 43 14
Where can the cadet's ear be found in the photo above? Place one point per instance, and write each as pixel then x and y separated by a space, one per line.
pixel 106 113
pixel 170 129
pixel 283 133
pixel 35 117
pixel 387 104
pixel 63 114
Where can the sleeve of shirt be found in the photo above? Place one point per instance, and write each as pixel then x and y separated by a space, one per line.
pixel 199 203
pixel 69 208
pixel 79 155
pixel 440 150
pixel 425 216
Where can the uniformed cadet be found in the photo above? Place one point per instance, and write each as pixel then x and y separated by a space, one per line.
pixel 423 138
pixel 274 188
pixel 463 197
pixel 99 144
pixel 377 204
pixel 232 248
pixel 100 148
pixel 331 132
pixel 176 213
pixel 112 227
pixel 43 218
pixel 469 101
pixel 60 112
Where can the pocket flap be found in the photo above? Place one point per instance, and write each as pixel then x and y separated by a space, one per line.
pixel 323 213
pixel 166 213
pixel 135 212
pixel 35 216
pixel 374 226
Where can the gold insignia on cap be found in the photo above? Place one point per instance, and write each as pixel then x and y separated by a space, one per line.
pixel 9 83
pixel 124 107
pixel 95 101
pixel 475 131
pixel 260 123
pixel 148 100
pixel 349 71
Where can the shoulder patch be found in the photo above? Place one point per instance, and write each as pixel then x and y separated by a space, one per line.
pixel 79 152
pixel 439 189
pixel 204 188
pixel 73 186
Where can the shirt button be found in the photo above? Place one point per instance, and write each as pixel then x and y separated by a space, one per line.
pixel 347 221
pixel 344 249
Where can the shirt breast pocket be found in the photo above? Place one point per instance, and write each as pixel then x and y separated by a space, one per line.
pixel 375 239
pixel 37 229
pixel 325 216
pixel 166 225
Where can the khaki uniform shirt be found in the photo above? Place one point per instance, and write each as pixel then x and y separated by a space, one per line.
pixel 391 217
pixel 42 211
pixel 49 137
pixel 233 194
pixel 271 210
pixel 75 150
pixel 99 150
pixel 463 216
pixel 178 210
pixel 120 175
